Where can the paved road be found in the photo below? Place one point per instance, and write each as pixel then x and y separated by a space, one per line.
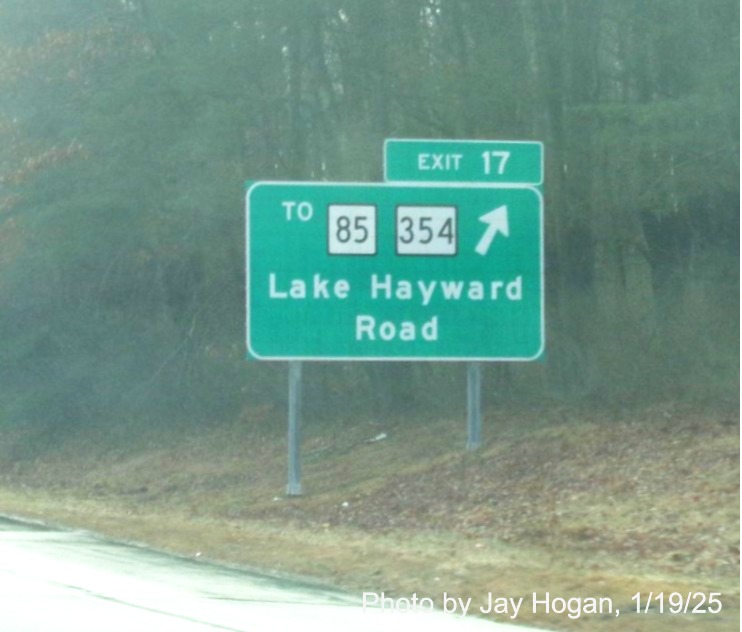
pixel 70 581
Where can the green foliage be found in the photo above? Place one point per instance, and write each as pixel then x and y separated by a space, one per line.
pixel 127 129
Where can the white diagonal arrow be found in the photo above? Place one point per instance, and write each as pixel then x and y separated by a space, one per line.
pixel 497 222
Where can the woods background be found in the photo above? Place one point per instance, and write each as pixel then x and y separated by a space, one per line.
pixel 128 127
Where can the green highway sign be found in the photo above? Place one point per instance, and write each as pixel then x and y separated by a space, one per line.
pixel 484 161
pixel 357 271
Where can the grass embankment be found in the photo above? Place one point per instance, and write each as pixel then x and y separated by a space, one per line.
pixel 561 501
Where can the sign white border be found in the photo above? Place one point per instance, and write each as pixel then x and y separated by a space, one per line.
pixel 468 142
pixel 252 354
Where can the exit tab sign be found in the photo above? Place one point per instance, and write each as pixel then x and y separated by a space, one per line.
pixel 358 271
pixel 483 161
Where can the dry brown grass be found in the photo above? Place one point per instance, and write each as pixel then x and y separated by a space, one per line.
pixel 562 501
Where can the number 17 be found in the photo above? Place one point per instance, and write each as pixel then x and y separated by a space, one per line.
pixel 500 156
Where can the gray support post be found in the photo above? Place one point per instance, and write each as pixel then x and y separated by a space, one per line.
pixel 294 435
pixel 474 405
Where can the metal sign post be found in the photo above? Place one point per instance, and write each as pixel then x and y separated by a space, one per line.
pixel 294 434
pixel 474 405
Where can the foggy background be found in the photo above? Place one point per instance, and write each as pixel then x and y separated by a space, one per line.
pixel 128 128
